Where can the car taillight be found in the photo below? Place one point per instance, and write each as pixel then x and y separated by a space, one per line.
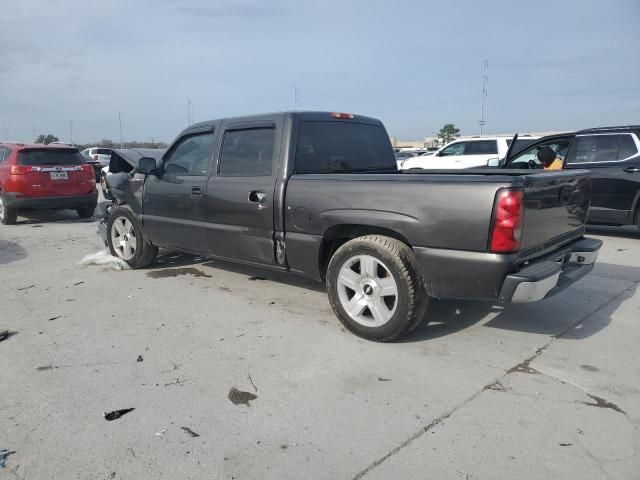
pixel 342 115
pixel 508 218
pixel 19 170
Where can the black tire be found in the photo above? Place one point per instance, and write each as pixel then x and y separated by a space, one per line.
pixel 398 260
pixel 145 253
pixel 8 216
pixel 86 211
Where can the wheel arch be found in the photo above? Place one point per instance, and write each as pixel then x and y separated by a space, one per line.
pixel 337 235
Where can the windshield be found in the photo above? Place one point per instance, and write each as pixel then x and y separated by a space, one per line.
pixel 50 156
pixel 330 147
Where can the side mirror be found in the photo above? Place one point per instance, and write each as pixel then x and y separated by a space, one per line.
pixel 493 162
pixel 147 165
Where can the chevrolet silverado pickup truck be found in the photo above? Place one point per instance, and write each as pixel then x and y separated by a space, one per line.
pixel 318 194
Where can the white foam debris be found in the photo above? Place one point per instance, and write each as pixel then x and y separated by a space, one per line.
pixel 104 259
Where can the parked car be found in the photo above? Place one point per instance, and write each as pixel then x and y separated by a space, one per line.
pixel 43 177
pixel 318 194
pixel 467 153
pixel 98 158
pixel 125 161
pixel 612 155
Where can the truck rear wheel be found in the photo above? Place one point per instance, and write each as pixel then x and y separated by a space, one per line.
pixel 375 289
pixel 125 239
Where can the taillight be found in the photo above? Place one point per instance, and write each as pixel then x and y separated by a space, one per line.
pixel 19 170
pixel 342 115
pixel 508 218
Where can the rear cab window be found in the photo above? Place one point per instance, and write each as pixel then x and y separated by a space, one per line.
pixel 343 147
pixel 50 156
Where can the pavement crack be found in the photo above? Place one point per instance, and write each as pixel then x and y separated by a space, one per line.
pixel 522 367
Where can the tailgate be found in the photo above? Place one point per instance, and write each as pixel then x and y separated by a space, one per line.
pixel 556 206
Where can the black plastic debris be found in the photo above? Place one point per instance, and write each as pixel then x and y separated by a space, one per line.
pixel 190 432
pixel 4 334
pixel 3 456
pixel 26 288
pixel 382 379
pixel 239 397
pixel 55 318
pixel 139 359
pixel 116 414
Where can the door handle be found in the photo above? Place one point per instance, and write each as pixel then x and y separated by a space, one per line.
pixel 632 170
pixel 196 191
pixel 257 196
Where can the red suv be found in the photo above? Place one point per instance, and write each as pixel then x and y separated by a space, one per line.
pixel 43 177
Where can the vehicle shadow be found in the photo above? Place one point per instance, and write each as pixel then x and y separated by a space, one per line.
pixel 445 317
pixel 171 259
pixel 51 216
pixel 627 231
pixel 11 251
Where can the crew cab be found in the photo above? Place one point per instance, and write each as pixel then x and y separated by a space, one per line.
pixel 44 177
pixel 467 153
pixel 318 194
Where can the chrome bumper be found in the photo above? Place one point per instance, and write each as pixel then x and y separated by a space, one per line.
pixel 552 274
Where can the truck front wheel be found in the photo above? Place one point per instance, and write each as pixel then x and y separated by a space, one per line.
pixel 125 239
pixel 375 289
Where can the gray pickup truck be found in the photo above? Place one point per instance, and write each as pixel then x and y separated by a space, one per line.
pixel 318 194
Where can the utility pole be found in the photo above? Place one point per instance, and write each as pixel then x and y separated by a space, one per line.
pixel 485 79
pixel 189 112
pixel 120 123
pixel 71 131
pixel 296 98
pixel 33 130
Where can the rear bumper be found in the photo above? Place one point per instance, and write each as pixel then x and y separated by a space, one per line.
pixel 551 274
pixel 46 203
pixel 503 278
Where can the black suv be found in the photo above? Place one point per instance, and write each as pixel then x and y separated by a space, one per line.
pixel 613 156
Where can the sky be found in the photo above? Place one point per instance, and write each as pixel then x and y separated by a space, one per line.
pixel 416 65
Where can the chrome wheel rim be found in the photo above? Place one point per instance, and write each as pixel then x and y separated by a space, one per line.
pixel 123 238
pixel 367 291
pixel 1 208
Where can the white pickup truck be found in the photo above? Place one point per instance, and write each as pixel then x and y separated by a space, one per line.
pixel 467 153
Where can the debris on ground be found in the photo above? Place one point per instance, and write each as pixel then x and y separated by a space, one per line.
pixel 3 456
pixel 104 259
pixel 238 397
pixel 78 283
pixel 4 334
pixel 55 318
pixel 382 379
pixel 139 359
pixel 254 278
pixel 252 384
pixel 26 288
pixel 117 414
pixel 565 444
pixel 190 432
pixel 161 432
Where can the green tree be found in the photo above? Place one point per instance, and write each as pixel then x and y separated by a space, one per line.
pixel 47 139
pixel 448 133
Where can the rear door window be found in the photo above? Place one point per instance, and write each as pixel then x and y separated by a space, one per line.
pixel 247 153
pixel 594 148
pixel 483 147
pixel 627 147
pixel 50 156
pixel 335 147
